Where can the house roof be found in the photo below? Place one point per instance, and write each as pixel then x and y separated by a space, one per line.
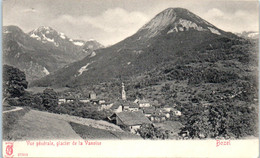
pixel 115 106
pixel 143 101
pixel 170 125
pixel 133 105
pixel 149 110
pixel 158 113
pixel 165 111
pixel 70 98
pixel 84 99
pixel 133 118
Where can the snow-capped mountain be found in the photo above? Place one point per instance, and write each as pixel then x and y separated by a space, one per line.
pixel 51 37
pixel 40 52
pixel 165 38
pixel 47 34
pixel 27 54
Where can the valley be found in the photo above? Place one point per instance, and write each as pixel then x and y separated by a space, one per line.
pixel 177 77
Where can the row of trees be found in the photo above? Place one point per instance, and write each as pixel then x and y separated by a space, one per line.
pixel 225 120
pixel 15 84
pixel 48 101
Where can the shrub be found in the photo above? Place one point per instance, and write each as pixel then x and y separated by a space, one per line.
pixel 49 99
pixel 148 131
pixel 13 101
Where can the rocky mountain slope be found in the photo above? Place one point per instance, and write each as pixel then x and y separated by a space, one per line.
pixel 41 51
pixel 166 38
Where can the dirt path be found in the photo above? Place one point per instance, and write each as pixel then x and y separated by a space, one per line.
pixel 16 109
pixel 42 125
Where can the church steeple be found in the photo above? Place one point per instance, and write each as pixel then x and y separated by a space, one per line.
pixel 123 92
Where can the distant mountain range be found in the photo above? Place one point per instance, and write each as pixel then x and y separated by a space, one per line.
pixel 165 39
pixel 249 34
pixel 43 50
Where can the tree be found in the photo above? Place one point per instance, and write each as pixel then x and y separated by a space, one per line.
pixel 221 120
pixel 49 99
pixel 14 82
pixel 148 131
pixel 37 101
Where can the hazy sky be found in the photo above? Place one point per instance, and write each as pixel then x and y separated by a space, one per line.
pixel 109 21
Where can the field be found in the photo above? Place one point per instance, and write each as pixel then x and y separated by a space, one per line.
pixel 10 121
pixel 37 125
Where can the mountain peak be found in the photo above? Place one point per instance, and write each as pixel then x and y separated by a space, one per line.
pixel 170 13
pixel 42 28
pixel 177 20
pixel 160 21
pixel 47 34
pixel 169 10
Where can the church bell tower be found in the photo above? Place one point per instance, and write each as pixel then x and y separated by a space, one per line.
pixel 123 92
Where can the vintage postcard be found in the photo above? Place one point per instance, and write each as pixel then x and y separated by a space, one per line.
pixel 130 78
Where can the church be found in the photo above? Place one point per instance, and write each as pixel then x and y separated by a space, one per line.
pixel 124 105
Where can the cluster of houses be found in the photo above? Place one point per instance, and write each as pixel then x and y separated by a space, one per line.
pixel 91 99
pixel 129 114
pixel 133 114
pixel 154 114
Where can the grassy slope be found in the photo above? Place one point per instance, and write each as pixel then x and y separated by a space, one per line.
pixel 10 120
pixel 39 125
pixel 44 125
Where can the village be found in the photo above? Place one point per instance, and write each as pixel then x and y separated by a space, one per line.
pixel 129 114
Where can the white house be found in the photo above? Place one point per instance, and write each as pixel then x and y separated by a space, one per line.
pixel 167 108
pixel 105 106
pixel 142 103
pixel 177 112
pixel 66 100
pixel 62 100
pixel 116 107
pixel 83 100
pixel 133 107
pixel 102 101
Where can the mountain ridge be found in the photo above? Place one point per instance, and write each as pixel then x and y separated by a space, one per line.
pixel 39 55
pixel 161 40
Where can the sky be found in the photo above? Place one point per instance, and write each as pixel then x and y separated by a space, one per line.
pixel 110 21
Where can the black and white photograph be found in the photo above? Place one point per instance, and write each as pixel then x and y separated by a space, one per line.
pixel 129 70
